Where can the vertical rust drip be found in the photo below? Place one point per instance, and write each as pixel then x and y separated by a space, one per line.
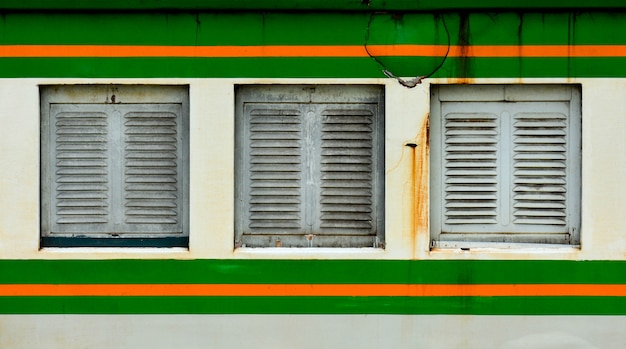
pixel 464 44
pixel 520 46
pixel 421 178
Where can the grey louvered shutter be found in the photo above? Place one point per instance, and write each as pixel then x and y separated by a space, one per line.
pixel 471 168
pixel 80 168
pixel 540 168
pixel 347 170
pixel 509 165
pixel 152 168
pixel 273 169
pixel 113 169
pixel 307 168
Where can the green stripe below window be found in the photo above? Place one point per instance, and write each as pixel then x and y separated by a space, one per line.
pixel 582 67
pixel 316 305
pixel 309 272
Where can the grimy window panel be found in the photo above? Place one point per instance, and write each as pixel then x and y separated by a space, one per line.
pixel 505 164
pixel 113 170
pixel 308 166
pixel 347 165
pixel 274 168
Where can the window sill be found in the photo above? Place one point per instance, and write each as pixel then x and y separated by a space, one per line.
pixel 308 253
pixel 114 252
pixel 504 250
pixel 498 246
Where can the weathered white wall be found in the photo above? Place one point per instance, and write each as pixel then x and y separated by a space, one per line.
pixel 310 331
pixel 603 233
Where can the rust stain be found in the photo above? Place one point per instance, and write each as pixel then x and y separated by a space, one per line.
pixel 461 81
pixel 420 177
pixel 464 45
pixel 520 48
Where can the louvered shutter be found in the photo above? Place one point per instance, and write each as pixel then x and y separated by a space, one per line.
pixel 80 161
pixel 114 165
pixel 152 168
pixel 308 170
pixel 273 169
pixel 116 168
pixel 509 167
pixel 540 168
pixel 471 168
pixel 347 170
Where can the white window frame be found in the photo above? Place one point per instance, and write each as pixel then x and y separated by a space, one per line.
pixel 505 103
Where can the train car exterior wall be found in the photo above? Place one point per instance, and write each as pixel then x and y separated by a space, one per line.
pixel 405 292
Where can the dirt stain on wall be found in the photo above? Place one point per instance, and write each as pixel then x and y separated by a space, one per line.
pixel 419 178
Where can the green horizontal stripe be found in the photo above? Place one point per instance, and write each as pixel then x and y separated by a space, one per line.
pixel 508 67
pixel 316 305
pixel 309 272
pixel 257 29
pixel 371 5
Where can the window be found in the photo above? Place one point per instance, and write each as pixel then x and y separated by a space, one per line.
pixel 114 162
pixel 505 164
pixel 309 164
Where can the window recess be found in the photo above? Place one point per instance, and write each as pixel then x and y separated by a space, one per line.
pixel 309 166
pixel 114 165
pixel 505 164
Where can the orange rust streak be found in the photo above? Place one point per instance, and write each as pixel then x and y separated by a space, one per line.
pixel 360 290
pixel 313 51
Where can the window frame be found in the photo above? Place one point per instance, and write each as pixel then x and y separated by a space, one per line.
pixel 505 93
pixel 111 95
pixel 288 94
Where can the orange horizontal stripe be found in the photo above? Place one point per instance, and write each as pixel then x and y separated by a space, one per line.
pixel 340 290
pixel 313 51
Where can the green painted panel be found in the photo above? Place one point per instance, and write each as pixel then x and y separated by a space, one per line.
pixel 186 29
pixel 353 5
pixel 310 67
pixel 355 29
pixel 247 28
pixel 309 271
pixel 189 67
pixel 316 305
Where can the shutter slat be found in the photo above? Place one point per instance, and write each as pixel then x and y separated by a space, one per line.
pixel 84 219
pixel 471 180
pixel 540 175
pixel 347 164
pixel 80 166
pixel 152 164
pixel 474 204
pixel 275 165
pixel 471 220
